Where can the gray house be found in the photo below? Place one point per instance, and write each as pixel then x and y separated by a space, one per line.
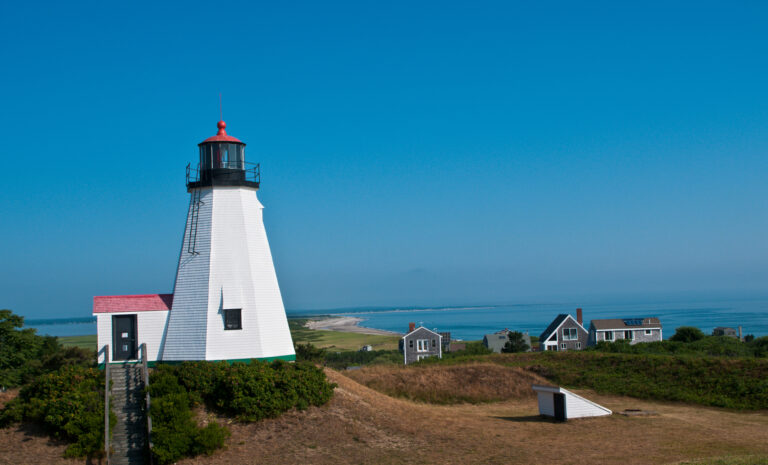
pixel 634 329
pixel 420 343
pixel 497 340
pixel 564 333
pixel 724 331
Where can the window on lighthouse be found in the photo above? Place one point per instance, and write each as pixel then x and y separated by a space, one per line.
pixel 232 319
pixel 222 155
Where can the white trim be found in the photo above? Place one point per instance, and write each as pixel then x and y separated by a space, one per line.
pixel 422 327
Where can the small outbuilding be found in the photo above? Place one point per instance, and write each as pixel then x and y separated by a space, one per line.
pixel 562 404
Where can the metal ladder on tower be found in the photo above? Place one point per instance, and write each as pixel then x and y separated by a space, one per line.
pixel 194 216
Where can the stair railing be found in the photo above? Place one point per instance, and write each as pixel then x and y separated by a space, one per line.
pixel 145 375
pixel 106 402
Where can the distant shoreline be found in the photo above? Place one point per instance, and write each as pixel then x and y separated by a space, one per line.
pixel 346 324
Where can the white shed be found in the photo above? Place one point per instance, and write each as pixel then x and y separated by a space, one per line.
pixel 562 404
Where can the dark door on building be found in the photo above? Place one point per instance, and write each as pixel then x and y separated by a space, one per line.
pixel 559 406
pixel 124 337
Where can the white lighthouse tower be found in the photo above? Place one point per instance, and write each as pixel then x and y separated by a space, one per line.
pixel 226 300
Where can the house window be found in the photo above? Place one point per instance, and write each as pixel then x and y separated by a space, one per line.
pixel 629 335
pixel 232 319
pixel 422 345
pixel 562 346
pixel 608 335
pixel 648 332
pixel 433 343
pixel 578 345
pixel 410 343
pixel 570 334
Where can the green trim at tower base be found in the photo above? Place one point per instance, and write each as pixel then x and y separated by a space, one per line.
pixel 287 358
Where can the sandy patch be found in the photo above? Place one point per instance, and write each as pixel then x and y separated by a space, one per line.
pixel 346 324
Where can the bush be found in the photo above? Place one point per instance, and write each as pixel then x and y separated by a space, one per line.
pixel 309 353
pixel 472 348
pixel 516 343
pixel 69 403
pixel 719 346
pixel 342 360
pixel 739 383
pixel 247 391
pixel 24 355
pixel 687 334
pixel 175 433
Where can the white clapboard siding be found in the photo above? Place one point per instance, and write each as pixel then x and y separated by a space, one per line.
pixel 185 339
pixel 575 405
pixel 243 276
pixel 150 329
pixel 232 270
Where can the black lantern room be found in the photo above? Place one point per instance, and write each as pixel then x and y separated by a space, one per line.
pixel 222 163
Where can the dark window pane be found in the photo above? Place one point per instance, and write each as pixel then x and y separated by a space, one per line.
pixel 232 319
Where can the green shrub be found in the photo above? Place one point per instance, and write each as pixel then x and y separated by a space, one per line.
pixel 69 403
pixel 343 360
pixel 24 355
pixel 718 346
pixel 687 334
pixel 472 348
pixel 247 391
pixel 309 353
pixel 175 433
pixel 739 383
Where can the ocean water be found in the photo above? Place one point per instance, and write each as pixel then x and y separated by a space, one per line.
pixel 63 326
pixel 471 323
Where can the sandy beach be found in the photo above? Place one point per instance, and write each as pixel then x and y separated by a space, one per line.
pixel 346 324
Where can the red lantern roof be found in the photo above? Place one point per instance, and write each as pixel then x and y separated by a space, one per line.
pixel 221 136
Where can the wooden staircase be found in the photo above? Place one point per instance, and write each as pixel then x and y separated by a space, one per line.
pixel 129 438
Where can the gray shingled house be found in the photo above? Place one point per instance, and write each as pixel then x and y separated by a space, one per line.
pixel 420 343
pixel 497 340
pixel 564 333
pixel 724 331
pixel 634 329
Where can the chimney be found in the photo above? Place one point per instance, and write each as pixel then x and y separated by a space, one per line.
pixel 740 338
pixel 579 317
pixel 411 327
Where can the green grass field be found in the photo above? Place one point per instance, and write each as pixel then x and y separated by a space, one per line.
pixel 86 342
pixel 338 340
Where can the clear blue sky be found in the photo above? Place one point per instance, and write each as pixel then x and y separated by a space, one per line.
pixel 413 153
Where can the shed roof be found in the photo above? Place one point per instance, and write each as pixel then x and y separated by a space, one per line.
pixel 132 303
pixel 619 323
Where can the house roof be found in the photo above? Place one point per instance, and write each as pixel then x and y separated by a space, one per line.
pixel 132 303
pixel 553 327
pixel 625 323
pixel 420 328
